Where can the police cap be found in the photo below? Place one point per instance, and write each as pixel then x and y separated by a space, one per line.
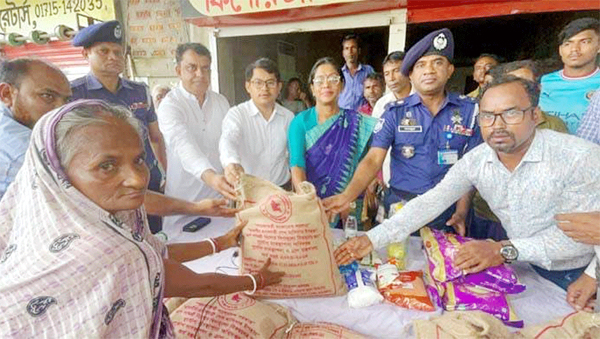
pixel 439 42
pixel 109 31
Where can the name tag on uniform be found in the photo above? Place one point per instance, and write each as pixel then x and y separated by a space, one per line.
pixel 410 129
pixel 447 157
pixel 138 105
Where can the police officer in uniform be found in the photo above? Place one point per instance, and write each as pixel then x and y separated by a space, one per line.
pixel 102 47
pixel 428 131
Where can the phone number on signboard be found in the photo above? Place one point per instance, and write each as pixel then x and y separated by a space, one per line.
pixel 52 8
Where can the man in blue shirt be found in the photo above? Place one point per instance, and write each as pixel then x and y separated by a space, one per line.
pixel 428 131
pixel 567 93
pixel 104 52
pixel 354 74
pixel 29 88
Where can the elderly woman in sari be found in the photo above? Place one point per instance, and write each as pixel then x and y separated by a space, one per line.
pixel 326 143
pixel 77 257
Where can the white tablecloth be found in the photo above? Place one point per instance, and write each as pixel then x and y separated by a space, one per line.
pixel 541 302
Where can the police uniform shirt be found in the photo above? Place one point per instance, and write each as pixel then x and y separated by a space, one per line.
pixel 415 145
pixel 568 98
pixel 133 95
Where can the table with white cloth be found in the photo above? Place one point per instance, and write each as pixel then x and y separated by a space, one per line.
pixel 541 302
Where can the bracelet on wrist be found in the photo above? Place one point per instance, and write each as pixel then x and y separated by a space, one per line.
pixel 253 282
pixel 217 246
pixel 262 281
pixel 212 244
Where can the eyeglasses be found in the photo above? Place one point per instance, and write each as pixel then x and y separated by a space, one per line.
pixel 192 68
pixel 510 117
pixel 332 79
pixel 259 84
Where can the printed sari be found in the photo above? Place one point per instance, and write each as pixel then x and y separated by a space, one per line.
pixel 68 268
pixel 334 149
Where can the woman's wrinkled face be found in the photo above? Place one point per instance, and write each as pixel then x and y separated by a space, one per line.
pixel 108 165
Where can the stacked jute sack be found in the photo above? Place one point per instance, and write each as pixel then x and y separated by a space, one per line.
pixel 478 324
pixel 240 316
pixel 291 229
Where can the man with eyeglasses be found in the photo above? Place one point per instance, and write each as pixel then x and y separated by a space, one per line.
pixel 190 118
pixel 254 133
pixel 427 132
pixel 526 176
pixel 103 49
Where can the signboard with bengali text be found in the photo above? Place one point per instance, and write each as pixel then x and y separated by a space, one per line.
pixel 155 28
pixel 24 16
pixel 232 7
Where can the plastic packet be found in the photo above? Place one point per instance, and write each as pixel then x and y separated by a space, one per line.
pixel 386 273
pixel 462 297
pixel 361 289
pixel 397 254
pixel 372 259
pixel 435 291
pixel 408 290
pixel 441 248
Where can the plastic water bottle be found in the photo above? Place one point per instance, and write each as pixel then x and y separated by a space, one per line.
pixel 351 224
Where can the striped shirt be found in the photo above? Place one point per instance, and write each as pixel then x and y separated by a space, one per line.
pixel 589 128
pixel 558 174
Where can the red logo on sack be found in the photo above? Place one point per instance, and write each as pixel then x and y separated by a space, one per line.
pixel 278 208
pixel 235 301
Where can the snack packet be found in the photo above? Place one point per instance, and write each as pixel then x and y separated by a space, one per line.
pixel 462 297
pixel 386 273
pixel 408 291
pixel 372 259
pixel 441 248
pixel 397 253
pixel 435 291
pixel 361 289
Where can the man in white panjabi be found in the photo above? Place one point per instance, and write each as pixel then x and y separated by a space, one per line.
pixel 190 118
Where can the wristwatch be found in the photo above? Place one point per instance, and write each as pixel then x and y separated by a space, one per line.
pixel 508 252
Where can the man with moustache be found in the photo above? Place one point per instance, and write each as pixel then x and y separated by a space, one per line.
pixel 103 49
pixel 29 88
pixel 484 63
pixel 566 93
pixel 354 73
pixel 398 84
pixel 254 134
pixel 373 90
pixel 525 174
pixel 190 118
pixel 427 131
pixel 399 88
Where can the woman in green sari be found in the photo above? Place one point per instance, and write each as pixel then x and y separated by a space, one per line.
pixel 326 143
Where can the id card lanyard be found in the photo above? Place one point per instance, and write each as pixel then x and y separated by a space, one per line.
pixel 447 156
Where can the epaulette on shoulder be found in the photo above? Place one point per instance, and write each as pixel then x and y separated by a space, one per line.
pixel 395 104
pixel 466 98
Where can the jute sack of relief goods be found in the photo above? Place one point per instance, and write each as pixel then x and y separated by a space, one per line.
pixel 230 316
pixel 581 325
pixel 294 232
pixel 250 190
pixel 322 331
pixel 172 303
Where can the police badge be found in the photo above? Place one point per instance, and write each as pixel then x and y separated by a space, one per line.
pixel 118 32
pixel 440 42
pixel 456 118
pixel 408 151
pixel 408 120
